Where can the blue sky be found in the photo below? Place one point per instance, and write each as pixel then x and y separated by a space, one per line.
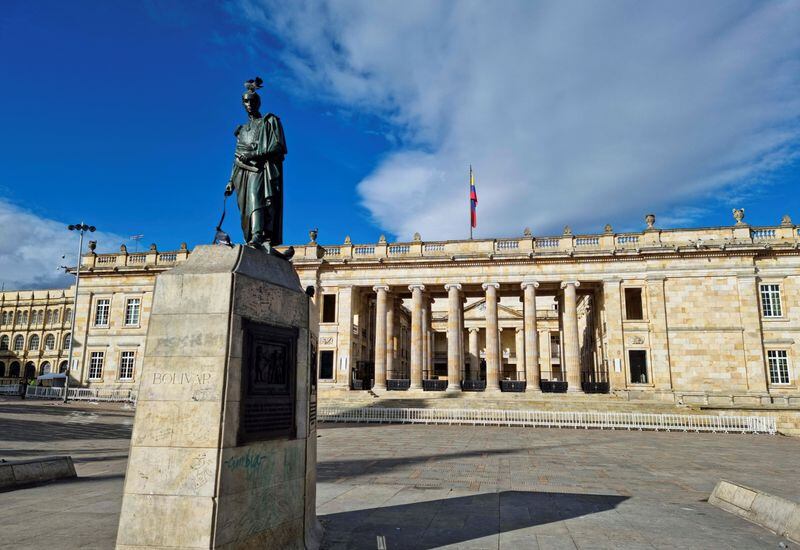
pixel 121 114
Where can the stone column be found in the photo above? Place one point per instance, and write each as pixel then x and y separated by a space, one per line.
pixel 519 343
pixel 547 353
pixel 416 336
pixel 572 352
pixel 380 336
pixel 391 348
pixel 453 337
pixel 431 336
pixel 492 338
pixel 500 350
pixel 531 336
pixel 426 339
pixel 461 347
pixel 474 354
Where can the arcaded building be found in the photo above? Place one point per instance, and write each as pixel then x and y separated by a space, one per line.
pixel 708 315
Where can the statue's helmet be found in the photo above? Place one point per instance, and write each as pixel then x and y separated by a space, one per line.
pixel 251 86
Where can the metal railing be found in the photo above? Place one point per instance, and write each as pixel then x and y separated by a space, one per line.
pixel 9 389
pixel 82 394
pixel 554 419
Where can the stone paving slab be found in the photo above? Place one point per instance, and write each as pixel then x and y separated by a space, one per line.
pixel 434 486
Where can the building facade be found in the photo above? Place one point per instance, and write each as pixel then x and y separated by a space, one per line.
pixel 709 315
pixel 112 311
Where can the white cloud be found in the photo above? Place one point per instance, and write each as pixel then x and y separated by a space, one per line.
pixel 32 247
pixel 570 112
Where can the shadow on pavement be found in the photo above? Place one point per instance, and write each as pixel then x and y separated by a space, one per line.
pixel 332 470
pixel 33 406
pixel 457 520
pixel 13 429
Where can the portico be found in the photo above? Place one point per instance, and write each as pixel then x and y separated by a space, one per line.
pixel 468 336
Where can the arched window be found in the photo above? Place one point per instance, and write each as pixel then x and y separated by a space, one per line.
pixel 19 342
pixel 34 317
pixel 68 315
pixel 18 318
pixel 50 342
pixel 24 317
pixel 2 369
pixel 65 343
pixel 55 316
pixel 49 316
pixel 3 318
pixel 14 372
pixel 62 368
pixel 3 342
pixel 46 368
pixel 30 370
pixel 33 343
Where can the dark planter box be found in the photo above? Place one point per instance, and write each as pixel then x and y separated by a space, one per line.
pixel 550 386
pixel 434 385
pixel 595 387
pixel 473 385
pixel 399 384
pixel 362 384
pixel 513 385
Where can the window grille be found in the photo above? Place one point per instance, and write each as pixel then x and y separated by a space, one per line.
pixel 126 362
pixel 96 365
pixel 771 300
pixel 778 361
pixel 101 312
pixel 132 309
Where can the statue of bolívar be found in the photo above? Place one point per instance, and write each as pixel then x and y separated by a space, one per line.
pixel 257 174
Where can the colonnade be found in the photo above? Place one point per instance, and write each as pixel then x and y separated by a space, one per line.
pixel 421 346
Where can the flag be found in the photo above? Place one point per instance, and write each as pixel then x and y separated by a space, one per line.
pixel 473 200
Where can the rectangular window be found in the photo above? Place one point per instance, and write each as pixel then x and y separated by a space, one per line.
pixel 126 361
pixel 329 308
pixel 633 304
pixel 637 361
pixel 132 307
pixel 96 365
pixel 778 360
pixel 771 300
pixel 326 365
pixel 101 312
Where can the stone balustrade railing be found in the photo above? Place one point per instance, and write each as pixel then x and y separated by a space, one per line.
pixel 650 239
pixel 151 258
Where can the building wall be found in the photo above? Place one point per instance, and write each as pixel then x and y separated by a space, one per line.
pixel 703 331
pixel 25 303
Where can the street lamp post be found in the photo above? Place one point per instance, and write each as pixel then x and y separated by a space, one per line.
pixel 81 228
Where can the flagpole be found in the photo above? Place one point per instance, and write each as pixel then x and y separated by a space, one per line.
pixel 469 196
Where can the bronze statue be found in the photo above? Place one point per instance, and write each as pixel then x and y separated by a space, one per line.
pixel 257 174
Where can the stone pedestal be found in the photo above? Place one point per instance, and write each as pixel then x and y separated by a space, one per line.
pixel 223 453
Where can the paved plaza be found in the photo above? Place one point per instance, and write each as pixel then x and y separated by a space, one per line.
pixel 395 486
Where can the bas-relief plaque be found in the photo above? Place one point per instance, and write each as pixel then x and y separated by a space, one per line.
pixel 268 405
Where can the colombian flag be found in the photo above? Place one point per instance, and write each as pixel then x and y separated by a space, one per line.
pixel 473 200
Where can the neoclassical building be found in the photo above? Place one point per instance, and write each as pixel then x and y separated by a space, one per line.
pixel 112 311
pixel 708 315
pixel 703 315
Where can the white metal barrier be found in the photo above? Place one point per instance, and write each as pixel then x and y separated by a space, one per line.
pixel 9 389
pixel 554 419
pixel 82 394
